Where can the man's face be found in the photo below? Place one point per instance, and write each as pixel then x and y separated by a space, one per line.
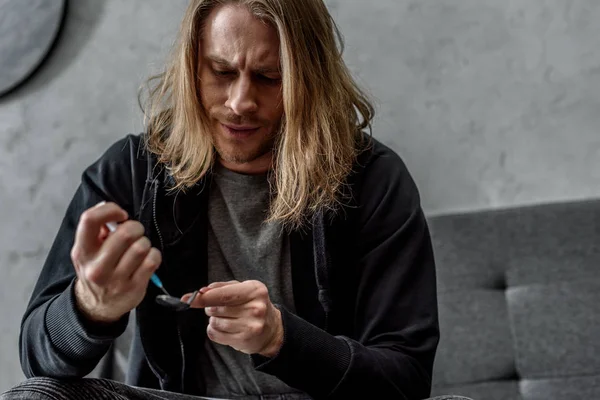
pixel 240 86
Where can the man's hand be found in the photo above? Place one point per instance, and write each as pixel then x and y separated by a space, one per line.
pixel 241 316
pixel 112 270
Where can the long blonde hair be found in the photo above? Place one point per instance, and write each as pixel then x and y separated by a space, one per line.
pixel 325 112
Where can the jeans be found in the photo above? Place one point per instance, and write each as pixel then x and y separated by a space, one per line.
pixel 104 389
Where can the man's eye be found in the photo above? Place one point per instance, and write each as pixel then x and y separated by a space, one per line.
pixel 269 80
pixel 222 73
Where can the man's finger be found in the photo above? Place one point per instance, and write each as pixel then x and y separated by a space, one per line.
pixel 226 312
pixel 186 297
pixel 226 339
pixel 215 285
pixel 90 225
pixel 132 259
pixel 148 267
pixel 104 232
pixel 231 295
pixel 119 243
pixel 197 302
pixel 226 325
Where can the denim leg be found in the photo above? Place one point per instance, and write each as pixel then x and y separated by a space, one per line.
pixel 64 389
pixel 87 388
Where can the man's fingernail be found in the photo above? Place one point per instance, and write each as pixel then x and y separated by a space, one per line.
pixel 204 290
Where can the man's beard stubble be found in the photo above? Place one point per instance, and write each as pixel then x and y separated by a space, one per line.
pixel 267 145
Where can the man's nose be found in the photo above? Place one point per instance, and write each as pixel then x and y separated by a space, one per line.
pixel 242 97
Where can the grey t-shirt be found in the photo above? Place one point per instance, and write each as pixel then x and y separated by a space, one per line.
pixel 241 246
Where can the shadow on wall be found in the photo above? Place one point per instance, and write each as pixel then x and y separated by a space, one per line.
pixel 80 22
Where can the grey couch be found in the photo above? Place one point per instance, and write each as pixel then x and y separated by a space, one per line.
pixel 519 302
pixel 519 298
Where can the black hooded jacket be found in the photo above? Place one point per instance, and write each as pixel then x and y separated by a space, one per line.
pixel 366 324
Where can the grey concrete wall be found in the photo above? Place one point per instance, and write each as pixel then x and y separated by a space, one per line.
pixel 491 103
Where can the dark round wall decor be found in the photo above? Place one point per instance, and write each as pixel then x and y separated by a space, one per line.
pixel 28 30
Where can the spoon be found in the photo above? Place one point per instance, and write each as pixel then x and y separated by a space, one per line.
pixel 174 303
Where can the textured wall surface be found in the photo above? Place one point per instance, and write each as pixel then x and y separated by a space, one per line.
pixel 490 102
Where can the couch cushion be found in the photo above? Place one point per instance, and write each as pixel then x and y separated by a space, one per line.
pixel 477 328
pixel 467 252
pixel 519 291
pixel 551 243
pixel 584 387
pixel 556 328
pixel 498 390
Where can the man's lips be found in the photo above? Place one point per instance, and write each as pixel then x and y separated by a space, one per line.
pixel 241 127
pixel 240 130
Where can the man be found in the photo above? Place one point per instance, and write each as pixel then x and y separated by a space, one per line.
pixel 256 184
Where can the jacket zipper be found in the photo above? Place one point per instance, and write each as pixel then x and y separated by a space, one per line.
pixel 162 248
pixel 182 357
pixel 155 368
pixel 160 238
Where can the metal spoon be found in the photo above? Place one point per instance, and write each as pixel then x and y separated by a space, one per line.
pixel 174 303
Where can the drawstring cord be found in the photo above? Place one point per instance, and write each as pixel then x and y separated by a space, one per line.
pixel 321 264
